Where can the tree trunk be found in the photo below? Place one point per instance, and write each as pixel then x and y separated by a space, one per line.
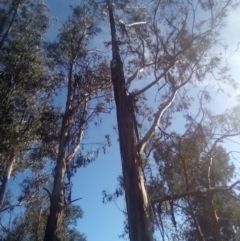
pixel 137 201
pixel 64 158
pixel 54 220
pixel 53 231
pixel 5 180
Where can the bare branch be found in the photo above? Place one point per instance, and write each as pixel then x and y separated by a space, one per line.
pixel 152 83
pixel 197 193
pixel 161 111
pixel 72 202
pixel 48 192
pixel 233 185
pixel 157 119
pixel 131 78
pixel 197 225
pixel 136 23
pixel 209 171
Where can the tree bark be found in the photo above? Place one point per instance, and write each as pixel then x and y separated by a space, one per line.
pixel 5 180
pixel 195 220
pixel 52 231
pixel 137 201
pixel 64 158
pixel 214 219
pixel 53 226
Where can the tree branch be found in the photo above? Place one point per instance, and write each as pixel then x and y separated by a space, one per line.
pixel 72 202
pixel 196 222
pixel 197 193
pixel 156 121
pixel 160 113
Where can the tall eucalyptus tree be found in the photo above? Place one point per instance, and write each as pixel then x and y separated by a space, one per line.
pixel 24 84
pixel 167 43
pixel 31 224
pixel 86 78
pixel 196 176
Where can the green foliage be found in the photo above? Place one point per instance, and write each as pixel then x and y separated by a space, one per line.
pixel 31 225
pixel 196 162
pixel 24 84
pixel 167 41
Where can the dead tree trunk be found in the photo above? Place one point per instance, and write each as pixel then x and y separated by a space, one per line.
pixel 137 201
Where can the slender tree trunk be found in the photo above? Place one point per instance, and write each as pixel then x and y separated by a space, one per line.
pixel 54 221
pixel 53 232
pixel 5 180
pixel 137 201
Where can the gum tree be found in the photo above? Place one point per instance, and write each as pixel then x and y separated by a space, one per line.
pixel 167 43
pixel 196 178
pixel 86 78
pixel 24 84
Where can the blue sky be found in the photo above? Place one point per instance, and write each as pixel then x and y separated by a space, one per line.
pixel 101 222
pixel 105 222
